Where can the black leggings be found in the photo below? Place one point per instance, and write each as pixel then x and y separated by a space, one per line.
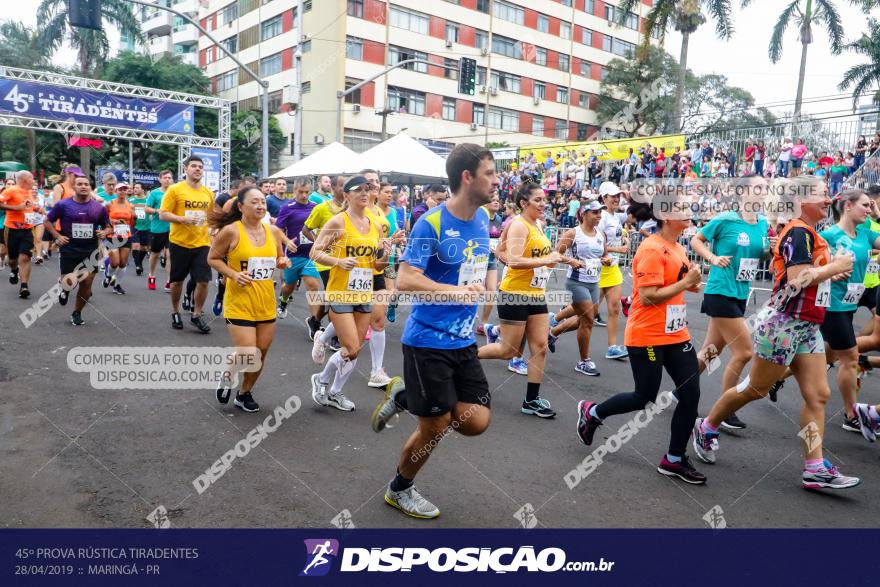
pixel 680 361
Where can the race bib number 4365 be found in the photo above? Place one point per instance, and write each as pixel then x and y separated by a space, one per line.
pixel 360 279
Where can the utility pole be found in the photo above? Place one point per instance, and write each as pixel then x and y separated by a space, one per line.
pixel 298 117
pixel 263 83
pixel 384 114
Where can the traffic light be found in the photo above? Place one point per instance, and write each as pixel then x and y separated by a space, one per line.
pixel 467 76
pixel 85 14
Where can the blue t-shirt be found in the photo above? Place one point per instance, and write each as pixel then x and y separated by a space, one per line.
pixel 439 245
pixel 154 200
pixel 744 243
pixel 401 216
pixel 860 246
pixel 291 220
pixel 273 205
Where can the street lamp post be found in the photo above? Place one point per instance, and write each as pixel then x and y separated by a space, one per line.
pixel 263 83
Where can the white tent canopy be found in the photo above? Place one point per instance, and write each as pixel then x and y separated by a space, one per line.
pixel 403 159
pixel 335 158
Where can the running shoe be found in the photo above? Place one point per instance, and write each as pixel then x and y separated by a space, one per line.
pixel 246 402
pixel 138 270
pixel 224 390
pixel 176 322
pixel 379 379
pixel 625 303
pixel 217 307
pixel 599 321
pixel 38 261
pixel 553 321
pixel 492 332
pixel 13 278
pixel 411 502
pixel 518 366
pixel 587 367
pixel 76 318
pixel 851 424
pixel 24 291
pixel 63 297
pixel 281 312
pixel 683 469
pixel 106 281
pixel 551 342
pixel 187 303
pixel 117 289
pixel 340 402
pixel 616 351
pixel 319 390
pixel 481 331
pixel 200 323
pixel 389 406
pixel 828 477
pixel 391 313
pixel 732 422
pixel 314 326
pixel 107 266
pixel 586 424
pixel 706 444
pixel 775 389
pixel 167 287
pixel 151 283
pixel 319 349
pixel 537 407
pixel 867 426
pixel 162 261
pixel 334 344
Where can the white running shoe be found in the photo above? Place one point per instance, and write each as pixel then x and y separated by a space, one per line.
pixel 379 379
pixel 411 502
pixel 319 390
pixel 319 351
pixel 340 402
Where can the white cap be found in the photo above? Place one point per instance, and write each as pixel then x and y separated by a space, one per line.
pixel 608 188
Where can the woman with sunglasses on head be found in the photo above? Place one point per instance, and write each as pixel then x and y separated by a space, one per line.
pixel 522 306
pixel 246 251
pixel 352 246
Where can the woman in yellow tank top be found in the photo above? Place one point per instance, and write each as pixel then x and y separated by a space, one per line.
pixel 350 244
pixel 522 308
pixel 246 252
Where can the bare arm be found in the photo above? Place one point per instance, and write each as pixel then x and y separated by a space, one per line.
pixel 654 295
pixel 698 243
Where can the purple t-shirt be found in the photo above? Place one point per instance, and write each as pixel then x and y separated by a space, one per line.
pixel 88 218
pixel 291 219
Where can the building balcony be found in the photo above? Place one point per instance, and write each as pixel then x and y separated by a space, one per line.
pixel 159 23
pixel 190 7
pixel 185 35
pixel 191 58
pixel 159 45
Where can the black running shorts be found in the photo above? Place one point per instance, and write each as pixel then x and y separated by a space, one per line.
pixel 837 330
pixel 19 241
pixel 158 241
pixel 192 262
pixel 437 379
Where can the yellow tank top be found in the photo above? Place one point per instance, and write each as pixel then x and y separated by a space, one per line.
pixel 529 281
pixel 355 286
pixel 255 301
pixel 384 227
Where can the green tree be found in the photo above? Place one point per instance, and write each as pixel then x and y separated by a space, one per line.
pixel 711 103
pixel 864 77
pixel 92 46
pixel 684 16
pixel 246 141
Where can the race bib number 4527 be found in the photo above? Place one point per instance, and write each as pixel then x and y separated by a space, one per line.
pixel 261 268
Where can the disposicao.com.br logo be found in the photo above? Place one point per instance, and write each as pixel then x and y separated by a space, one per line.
pixel 442 560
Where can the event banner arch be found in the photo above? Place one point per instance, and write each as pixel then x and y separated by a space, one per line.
pixel 609 150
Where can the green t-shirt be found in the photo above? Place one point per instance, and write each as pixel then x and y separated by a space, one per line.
pixel 141 224
pixel 744 243
pixel 872 279
pixel 861 247
pixel 154 200
pixel 319 198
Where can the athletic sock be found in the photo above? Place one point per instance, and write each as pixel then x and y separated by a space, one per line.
pixel 400 483
pixel 706 427
pixel 594 413
pixel 120 273
pixel 346 368
pixel 328 334
pixel 377 349
pixel 813 465
pixel 330 368
pixel 673 458
pixel 221 289
pixel 284 299
pixel 532 390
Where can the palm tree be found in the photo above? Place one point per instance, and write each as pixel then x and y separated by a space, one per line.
pixel 814 12
pixel 684 16
pixel 92 46
pixel 866 76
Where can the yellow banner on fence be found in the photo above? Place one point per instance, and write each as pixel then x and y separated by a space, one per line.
pixel 610 150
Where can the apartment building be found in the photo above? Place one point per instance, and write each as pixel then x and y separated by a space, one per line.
pixel 167 33
pixel 539 66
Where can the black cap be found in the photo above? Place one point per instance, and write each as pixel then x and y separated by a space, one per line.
pixel 354 183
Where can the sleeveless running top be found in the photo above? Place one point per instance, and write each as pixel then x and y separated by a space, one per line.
pixel 355 286
pixel 530 281
pixel 255 302
pixel 587 249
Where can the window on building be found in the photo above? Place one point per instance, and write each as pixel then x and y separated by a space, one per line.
pixel 228 14
pixel 561 129
pixel 209 55
pixel 622 48
pixel 483 6
pixel 506 47
pixel 356 8
pixel 227 81
pixel 540 55
pixel 581 131
pixel 305 88
pixel 606 43
pixel 503 119
pixel 543 23
pixel 506 82
pixel 482 40
pixel 452 32
pixel 307 46
pixel 270 28
pixel 565 30
pixel 409 20
pixel 584 100
pixel 231 44
pixel 406 101
pixel 270 65
pixel 587 37
pixel 508 12
pixel 448 108
pixel 481 75
pixel 450 69
pixel 585 68
pixel 538 125
pixel 562 95
pixel 275 101
pixel 564 62
pixel 612 13
pixel 603 73
pixel 354 48
pixel 540 90
pixel 565 3
pixel 398 54
pixel 355 96
pixel 479 117
pixel 589 6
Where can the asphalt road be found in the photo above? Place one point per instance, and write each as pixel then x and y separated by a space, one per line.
pixel 74 456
